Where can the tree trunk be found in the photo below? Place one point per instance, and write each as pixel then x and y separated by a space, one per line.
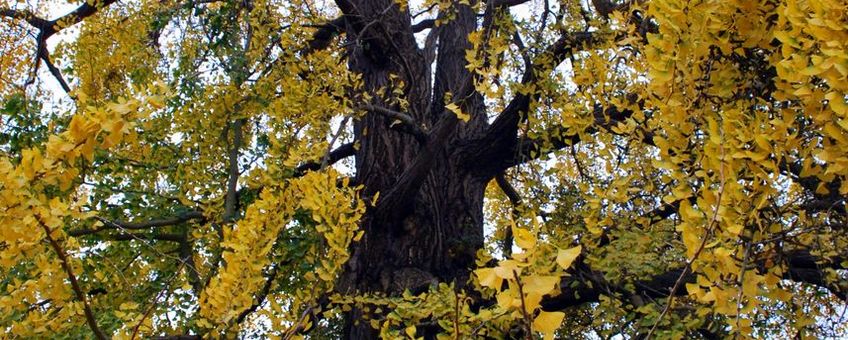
pixel 437 242
pixel 429 228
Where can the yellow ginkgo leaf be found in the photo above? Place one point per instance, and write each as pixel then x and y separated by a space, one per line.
pixel 837 103
pixel 531 301
pixel 566 257
pixel 507 269
pixel 488 278
pixel 458 112
pixel 540 284
pixel 524 238
pixel 548 323
pixel 508 300
pixel 128 306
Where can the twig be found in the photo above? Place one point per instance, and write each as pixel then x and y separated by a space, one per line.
pixel 742 284
pixel 527 330
pixel 456 317
pixel 325 160
pixel 689 262
pixel 299 326
pixel 155 299
pixel 107 224
pixel 148 244
pixel 89 315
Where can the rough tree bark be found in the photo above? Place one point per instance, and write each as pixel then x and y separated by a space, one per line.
pixel 428 222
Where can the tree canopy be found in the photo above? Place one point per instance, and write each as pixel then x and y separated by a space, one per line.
pixel 442 169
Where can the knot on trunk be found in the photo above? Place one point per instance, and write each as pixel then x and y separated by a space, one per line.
pixel 414 279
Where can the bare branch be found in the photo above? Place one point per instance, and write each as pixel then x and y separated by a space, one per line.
pixel 108 224
pixel 408 122
pixel 25 15
pixel 45 56
pixel 423 25
pixel 51 27
pixel 342 152
pixel 515 199
pixel 508 3
pixel 488 159
pixel 166 291
pixel 74 17
pixel 147 237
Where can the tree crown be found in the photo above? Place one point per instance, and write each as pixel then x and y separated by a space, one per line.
pixel 213 168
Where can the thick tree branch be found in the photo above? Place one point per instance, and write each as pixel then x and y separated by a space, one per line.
pixel 342 152
pixel 508 3
pixel 515 199
pixel 25 15
pixel 423 25
pixel 501 137
pixel 382 29
pixel 430 44
pixel 830 201
pixel 324 35
pixel 507 150
pixel 74 17
pixel 605 118
pixel 807 268
pixel 395 202
pixel 54 71
pixel 453 77
pixel 408 123
pixel 320 39
pixel 231 198
pixel 548 60
pixel 187 257
pixel 508 190
pixel 585 285
pixel 346 7
pixel 51 27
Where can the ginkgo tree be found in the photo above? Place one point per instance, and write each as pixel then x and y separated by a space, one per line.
pixel 443 169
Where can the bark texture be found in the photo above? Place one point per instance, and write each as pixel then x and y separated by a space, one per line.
pixel 428 222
